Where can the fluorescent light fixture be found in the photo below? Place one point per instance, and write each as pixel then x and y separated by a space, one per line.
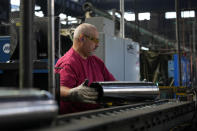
pixel 187 14
pixel 62 16
pixel 37 7
pixel 75 0
pixel 15 2
pixel 144 16
pixel 144 48
pixel 39 14
pixel 184 14
pixel 117 14
pixel 74 21
pixel 71 18
pixel 15 5
pixel 129 16
pixel 170 15
pixel 63 22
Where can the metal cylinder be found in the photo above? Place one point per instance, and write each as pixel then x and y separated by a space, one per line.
pixel 51 46
pixel 21 108
pixel 26 31
pixel 127 90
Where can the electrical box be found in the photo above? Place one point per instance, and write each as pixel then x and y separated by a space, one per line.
pixel 121 57
pixel 102 24
pixel 132 60
pixel 4 48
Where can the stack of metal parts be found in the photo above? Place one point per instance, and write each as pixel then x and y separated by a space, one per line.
pixel 26 108
pixel 133 91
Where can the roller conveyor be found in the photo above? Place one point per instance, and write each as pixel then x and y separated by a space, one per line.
pixel 37 110
pixel 158 115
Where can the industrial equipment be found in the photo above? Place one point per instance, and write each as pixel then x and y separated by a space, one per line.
pixel 4 48
pixel 126 51
pixel 26 108
pixel 160 115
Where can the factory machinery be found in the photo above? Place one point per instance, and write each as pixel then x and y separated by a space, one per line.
pixel 126 106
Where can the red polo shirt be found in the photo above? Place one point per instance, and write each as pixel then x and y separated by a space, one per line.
pixel 73 70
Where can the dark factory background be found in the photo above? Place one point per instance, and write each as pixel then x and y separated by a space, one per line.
pixel 155 43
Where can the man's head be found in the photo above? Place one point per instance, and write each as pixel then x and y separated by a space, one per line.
pixel 85 39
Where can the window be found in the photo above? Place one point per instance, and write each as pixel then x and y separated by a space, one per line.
pixel 129 16
pixel 144 16
pixel 184 14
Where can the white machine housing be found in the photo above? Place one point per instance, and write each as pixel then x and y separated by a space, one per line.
pixel 120 55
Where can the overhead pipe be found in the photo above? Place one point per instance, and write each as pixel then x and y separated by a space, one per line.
pixel 89 7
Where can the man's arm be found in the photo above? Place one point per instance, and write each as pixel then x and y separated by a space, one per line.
pixel 64 92
pixel 81 93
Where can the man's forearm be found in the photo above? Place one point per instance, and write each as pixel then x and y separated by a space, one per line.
pixel 64 92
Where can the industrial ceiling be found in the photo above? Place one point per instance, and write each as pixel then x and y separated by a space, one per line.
pixel 74 7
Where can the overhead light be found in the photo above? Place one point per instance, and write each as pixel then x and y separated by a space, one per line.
pixel 63 22
pixel 170 15
pixel 39 14
pixel 129 16
pixel 144 16
pixel 37 7
pixel 144 48
pixel 75 0
pixel 15 2
pixel 188 14
pixel 70 18
pixel 62 16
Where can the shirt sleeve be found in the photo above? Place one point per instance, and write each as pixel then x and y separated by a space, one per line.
pixel 67 77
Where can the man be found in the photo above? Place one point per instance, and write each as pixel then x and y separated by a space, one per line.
pixel 77 65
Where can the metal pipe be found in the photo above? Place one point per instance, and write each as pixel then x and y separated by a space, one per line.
pixel 26 33
pixel 122 24
pixel 178 39
pixel 194 53
pixel 21 108
pixel 51 46
pixel 128 90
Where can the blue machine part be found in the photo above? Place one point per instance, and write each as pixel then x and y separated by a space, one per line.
pixel 4 48
pixel 185 71
pixel 170 68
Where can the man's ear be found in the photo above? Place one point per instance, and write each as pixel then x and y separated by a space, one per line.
pixel 82 39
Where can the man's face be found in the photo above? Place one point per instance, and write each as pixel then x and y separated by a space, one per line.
pixel 91 42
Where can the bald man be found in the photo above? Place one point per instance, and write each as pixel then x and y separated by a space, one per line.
pixel 77 65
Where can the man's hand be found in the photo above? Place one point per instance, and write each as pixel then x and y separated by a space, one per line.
pixel 83 93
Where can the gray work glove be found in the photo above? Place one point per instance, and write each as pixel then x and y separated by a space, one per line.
pixel 83 93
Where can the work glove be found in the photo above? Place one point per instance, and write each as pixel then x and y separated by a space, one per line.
pixel 83 93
